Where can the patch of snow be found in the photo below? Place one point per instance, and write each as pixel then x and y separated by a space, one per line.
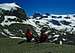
pixel 8 32
pixel 64 39
pixel 3 33
pixel 8 22
pixel 55 39
pixel 56 35
pixel 17 38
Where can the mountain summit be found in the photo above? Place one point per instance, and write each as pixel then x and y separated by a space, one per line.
pixel 8 6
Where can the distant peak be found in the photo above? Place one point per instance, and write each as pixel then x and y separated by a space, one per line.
pixel 10 4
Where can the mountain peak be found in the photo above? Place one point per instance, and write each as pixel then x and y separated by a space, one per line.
pixel 8 6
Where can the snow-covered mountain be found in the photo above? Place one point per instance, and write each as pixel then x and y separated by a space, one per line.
pixel 14 22
pixel 62 26
pixel 11 14
pixel 55 21
pixel 16 14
